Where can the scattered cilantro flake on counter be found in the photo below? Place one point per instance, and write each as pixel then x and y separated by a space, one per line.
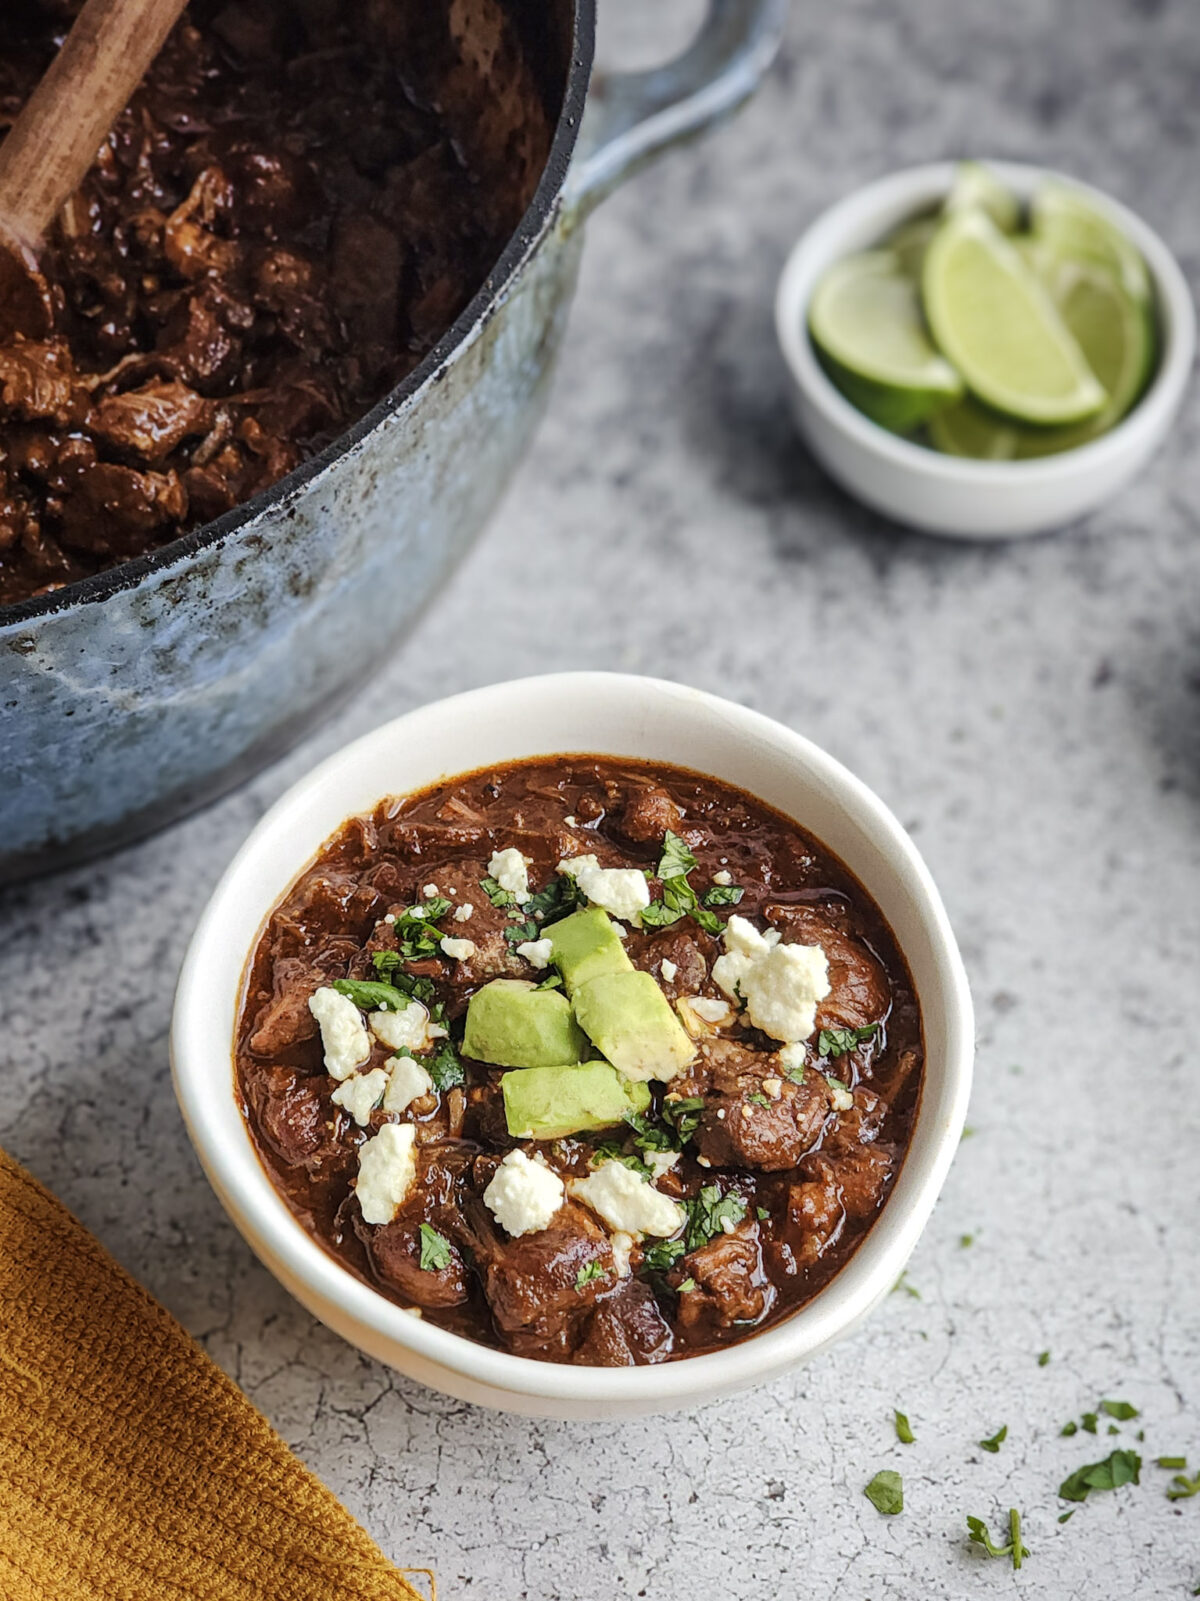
pixel 968 1133
pixel 1121 1467
pixel 903 1284
pixel 978 1534
pixel 886 1492
pixel 966 1240
pixel 996 1441
pixel 1120 1410
pixel 723 895
pixel 435 1249
pixel 1069 1428
pixel 708 1214
pixel 498 896
pixel 1043 1358
pixel 444 1066
pixel 1065 1517
pixel 1088 1422
pixel 1183 1488
pixel 904 1431
pixel 837 1042
pixel 1170 1461
pixel 588 1273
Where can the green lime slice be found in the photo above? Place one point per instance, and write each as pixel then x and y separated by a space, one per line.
pixel 994 320
pixel 975 187
pixel 910 242
pixel 865 320
pixel 970 429
pixel 1068 225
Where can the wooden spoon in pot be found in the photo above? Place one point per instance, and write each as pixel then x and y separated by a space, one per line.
pixel 54 141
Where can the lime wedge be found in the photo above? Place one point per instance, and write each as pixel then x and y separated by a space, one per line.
pixel 975 188
pixel 865 320
pixel 970 429
pixel 1067 224
pixel 911 240
pixel 994 320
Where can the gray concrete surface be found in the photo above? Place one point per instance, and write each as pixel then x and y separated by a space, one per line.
pixel 1032 713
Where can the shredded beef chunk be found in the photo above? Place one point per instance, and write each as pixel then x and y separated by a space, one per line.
pixel 545 1205
pixel 295 206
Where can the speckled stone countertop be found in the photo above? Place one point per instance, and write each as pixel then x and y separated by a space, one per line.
pixel 1033 715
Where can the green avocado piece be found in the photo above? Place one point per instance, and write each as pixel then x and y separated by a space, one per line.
pixel 629 1019
pixel 585 946
pixel 548 1103
pixel 514 1024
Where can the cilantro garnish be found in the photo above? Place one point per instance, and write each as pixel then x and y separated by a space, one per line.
pixel 758 1098
pixel 886 1492
pixel 497 896
pixel 840 1041
pixel 904 1431
pixel 1121 1410
pixel 371 995
pixel 708 1214
pixel 763 1214
pixel 520 933
pixel 684 1116
pixel 1170 1461
pixel 1183 1488
pixel 1069 1428
pixel 649 1135
pixel 1043 1358
pixel 795 1074
pixel 387 965
pixel 445 1066
pixel 435 1249
pixel 722 895
pixel 966 1241
pixel 678 898
pixel 979 1536
pixel 1089 1420
pixel 613 1151
pixel 1122 1467
pixel 662 1255
pixel 996 1441
pixel 688 1284
pixel 415 933
pixel 550 981
pixel 560 896
pixel 589 1273
pixel 903 1284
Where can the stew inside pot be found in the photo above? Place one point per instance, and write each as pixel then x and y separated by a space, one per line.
pixel 299 201
pixel 595 1061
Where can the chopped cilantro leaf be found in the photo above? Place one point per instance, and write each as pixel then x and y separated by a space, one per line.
pixel 1122 1467
pixel 1171 1461
pixel 1088 1422
pixel 966 1240
pixel 688 1284
pixel 840 1041
pixel 497 896
pixel 904 1431
pixel 1043 1358
pixel 1065 1517
pixel 723 895
pixel 1069 1428
pixel 978 1534
pixel 435 1249
pixel 445 1066
pixel 436 908
pixel 903 1284
pixel 415 934
pixel 560 896
pixel 520 933
pixel 387 965
pixel 684 1115
pixel 676 860
pixel 678 898
pixel 886 1492
pixel 996 1441
pixel 662 1255
pixel 589 1273
pixel 659 915
pixel 1112 1429
pixel 709 1213
pixel 1121 1410
pixel 763 1215
pixel 371 995
pixel 1183 1488
pixel 612 1151
pixel 758 1098
pixel 550 981
pixel 795 1074
pixel 649 1135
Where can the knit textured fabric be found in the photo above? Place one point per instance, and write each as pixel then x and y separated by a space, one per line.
pixel 131 1468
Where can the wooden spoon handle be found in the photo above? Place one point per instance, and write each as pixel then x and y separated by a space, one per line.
pixel 55 139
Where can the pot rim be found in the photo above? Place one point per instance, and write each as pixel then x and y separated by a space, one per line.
pixel 528 234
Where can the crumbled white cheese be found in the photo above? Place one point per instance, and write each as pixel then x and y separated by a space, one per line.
pixel 387 1167
pixel 360 1094
pixel 660 1162
pixel 570 822
pixel 464 912
pixel 711 1009
pixel 458 949
pixel 628 1202
pixel 409 1081
pixel 772 1087
pixel 623 891
pixel 523 1195
pixel 669 970
pixel 622 1249
pixel 537 952
pixel 703 1161
pixel 511 871
pixel 390 918
pixel 792 1058
pixel 418 912
pixel 840 1097
pixel 343 1033
pixel 724 877
pixel 782 985
pixel 409 1030
pixel 620 931
pixel 429 891
pixel 747 1112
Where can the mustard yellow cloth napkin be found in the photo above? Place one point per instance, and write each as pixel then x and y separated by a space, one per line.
pixel 131 1469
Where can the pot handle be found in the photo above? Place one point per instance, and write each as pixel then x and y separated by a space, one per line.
pixel 632 116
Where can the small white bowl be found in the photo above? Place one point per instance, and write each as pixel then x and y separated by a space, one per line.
pixel 948 494
pixel 582 712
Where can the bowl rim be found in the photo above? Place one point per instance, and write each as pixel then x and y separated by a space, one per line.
pixel 917 188
pixel 532 227
pixel 241 1182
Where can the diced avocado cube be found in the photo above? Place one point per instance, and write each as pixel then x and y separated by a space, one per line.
pixel 514 1024
pixel 629 1020
pixel 548 1103
pixel 586 945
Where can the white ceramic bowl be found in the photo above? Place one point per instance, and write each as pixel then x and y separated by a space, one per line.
pixel 947 494
pixel 582 712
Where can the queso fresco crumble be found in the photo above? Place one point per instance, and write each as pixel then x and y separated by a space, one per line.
pixel 597 1061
